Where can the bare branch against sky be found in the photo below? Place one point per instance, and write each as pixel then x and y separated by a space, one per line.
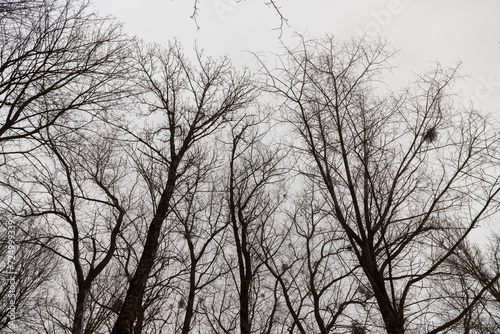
pixel 227 166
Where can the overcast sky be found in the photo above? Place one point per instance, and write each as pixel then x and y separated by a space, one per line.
pixel 424 31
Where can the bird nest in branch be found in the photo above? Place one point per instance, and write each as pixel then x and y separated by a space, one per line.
pixel 430 135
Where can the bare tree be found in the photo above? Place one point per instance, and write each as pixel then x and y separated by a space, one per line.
pixel 190 102
pixel 406 175
pixel 254 194
pixel 79 192
pixel 56 57
pixel 60 62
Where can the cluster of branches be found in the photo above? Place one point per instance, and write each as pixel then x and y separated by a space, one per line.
pixel 149 193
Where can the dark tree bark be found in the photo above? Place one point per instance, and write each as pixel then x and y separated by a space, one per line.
pixel 195 100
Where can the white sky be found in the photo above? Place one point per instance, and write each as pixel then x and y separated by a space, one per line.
pixel 424 31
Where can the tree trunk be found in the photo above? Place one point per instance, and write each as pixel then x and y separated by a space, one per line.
pixel 79 318
pixel 394 322
pixel 192 287
pixel 245 325
pixel 135 293
pixel 139 325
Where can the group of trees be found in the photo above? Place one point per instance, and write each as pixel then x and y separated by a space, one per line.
pixel 152 193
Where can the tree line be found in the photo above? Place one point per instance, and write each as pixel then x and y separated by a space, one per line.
pixel 154 193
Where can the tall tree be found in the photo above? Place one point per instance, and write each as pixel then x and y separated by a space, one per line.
pixel 80 192
pixel 254 196
pixel 62 67
pixel 188 102
pixel 406 175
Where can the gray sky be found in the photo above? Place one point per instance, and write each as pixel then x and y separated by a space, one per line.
pixel 424 31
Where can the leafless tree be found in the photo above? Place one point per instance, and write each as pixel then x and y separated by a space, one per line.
pixel 406 175
pixel 188 102
pixel 59 64
pixel 80 192
pixel 56 57
pixel 255 193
